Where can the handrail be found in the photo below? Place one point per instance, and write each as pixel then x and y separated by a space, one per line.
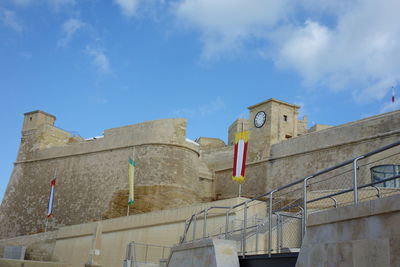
pixel 350 189
pixel 304 180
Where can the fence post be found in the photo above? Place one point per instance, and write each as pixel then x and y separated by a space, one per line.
pixel 256 238
pixel 270 225
pixel 227 223
pixel 304 222
pixel 145 258
pixel 355 186
pixel 244 231
pixel 278 233
pixel 205 223
pixel 194 226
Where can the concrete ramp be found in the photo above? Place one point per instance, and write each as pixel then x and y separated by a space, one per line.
pixel 207 252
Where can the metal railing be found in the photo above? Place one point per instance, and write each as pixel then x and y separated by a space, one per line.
pixel 339 185
pixel 149 254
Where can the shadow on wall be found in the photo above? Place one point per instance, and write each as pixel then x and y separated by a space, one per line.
pixel 150 198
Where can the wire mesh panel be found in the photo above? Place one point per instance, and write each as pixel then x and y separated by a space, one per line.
pixel 146 253
pixel 276 221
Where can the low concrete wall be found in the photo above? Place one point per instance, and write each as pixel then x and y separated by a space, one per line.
pixel 39 247
pixel 23 263
pixel 71 244
pixel 206 252
pixel 366 234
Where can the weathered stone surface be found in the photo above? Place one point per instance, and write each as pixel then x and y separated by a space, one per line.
pixel 92 175
pixel 365 234
pixel 172 170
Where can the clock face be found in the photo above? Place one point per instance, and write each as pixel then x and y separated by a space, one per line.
pixel 259 119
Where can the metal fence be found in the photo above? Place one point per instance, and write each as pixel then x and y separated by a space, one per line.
pixel 139 254
pixel 281 224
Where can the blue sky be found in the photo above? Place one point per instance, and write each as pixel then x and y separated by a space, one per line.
pixel 102 64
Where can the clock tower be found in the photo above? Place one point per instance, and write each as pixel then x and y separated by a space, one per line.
pixel 271 121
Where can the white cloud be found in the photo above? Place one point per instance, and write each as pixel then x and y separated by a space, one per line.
pixel 25 55
pixel 212 107
pixel 225 24
pixel 361 51
pixel 99 59
pixel 58 4
pixel 69 28
pixel 22 2
pixel 128 7
pixel 9 19
pixel 202 110
pixel 390 106
pixel 337 44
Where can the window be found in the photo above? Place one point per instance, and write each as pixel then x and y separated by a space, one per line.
pixel 30 118
pixel 285 117
pixel 382 172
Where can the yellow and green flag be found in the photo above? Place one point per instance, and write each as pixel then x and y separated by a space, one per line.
pixel 131 181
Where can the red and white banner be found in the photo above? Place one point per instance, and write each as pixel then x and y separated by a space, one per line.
pixel 51 198
pixel 239 157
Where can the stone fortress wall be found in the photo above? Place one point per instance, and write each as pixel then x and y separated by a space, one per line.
pixel 299 157
pixel 92 174
pixel 172 171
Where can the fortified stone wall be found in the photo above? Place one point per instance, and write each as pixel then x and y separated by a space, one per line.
pixel 172 171
pixel 304 155
pixel 92 175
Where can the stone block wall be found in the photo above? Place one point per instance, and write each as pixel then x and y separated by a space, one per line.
pixel 366 234
pixel 299 157
pixel 91 175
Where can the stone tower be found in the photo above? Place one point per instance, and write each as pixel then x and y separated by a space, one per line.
pixel 271 122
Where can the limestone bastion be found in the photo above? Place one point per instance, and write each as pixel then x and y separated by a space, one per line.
pixel 92 174
pixel 172 171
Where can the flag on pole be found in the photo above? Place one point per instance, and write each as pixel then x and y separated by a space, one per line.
pixel 131 180
pixel 392 94
pixel 51 198
pixel 239 157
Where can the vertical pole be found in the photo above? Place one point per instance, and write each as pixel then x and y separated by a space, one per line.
pixel 127 212
pixel 304 221
pixel 205 223
pixel 278 236
pixel 244 229
pixel 128 251
pixel 355 186
pixel 145 257
pixel 163 252
pixel 227 223
pixel 134 253
pixel 194 227
pixel 256 238
pixel 301 225
pixel 270 225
